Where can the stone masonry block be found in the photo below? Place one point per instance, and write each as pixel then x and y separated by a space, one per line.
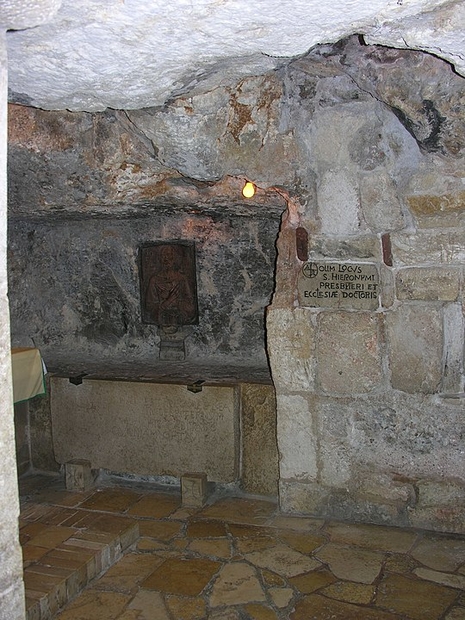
pixel 428 283
pixel 380 202
pixel 415 336
pixel 78 475
pixel 260 467
pixel 194 489
pixel 348 352
pixel 296 438
pixel 291 348
pixel 443 248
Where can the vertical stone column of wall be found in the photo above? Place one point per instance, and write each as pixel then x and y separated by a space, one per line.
pixel 370 397
pixel 11 581
pixel 13 14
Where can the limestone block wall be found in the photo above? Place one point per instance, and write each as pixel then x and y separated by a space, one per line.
pixel 366 334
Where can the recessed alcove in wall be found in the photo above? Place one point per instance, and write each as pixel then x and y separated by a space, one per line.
pixel 75 294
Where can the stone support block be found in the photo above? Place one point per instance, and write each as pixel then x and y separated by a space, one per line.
pixel 454 334
pixel 440 247
pixel 357 247
pixel 194 489
pixel 381 207
pixel 296 438
pixel 260 467
pixel 438 211
pixel 428 283
pixel 290 342
pixel 348 352
pixel 78 475
pixel 415 337
pixel 441 506
pixel 317 500
pixel 301 497
pixel 338 203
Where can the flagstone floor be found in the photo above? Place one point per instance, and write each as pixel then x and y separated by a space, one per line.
pixel 132 553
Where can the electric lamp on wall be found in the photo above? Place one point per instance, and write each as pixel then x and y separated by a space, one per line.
pixel 248 191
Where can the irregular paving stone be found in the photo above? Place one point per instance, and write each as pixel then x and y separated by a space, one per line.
pixel 186 577
pixel 350 592
pixel 316 607
pixel 183 608
pixel 310 582
pixel 206 529
pixel 239 530
pixel 351 563
pixel 237 583
pixel 440 553
pixel 283 560
pixel 272 579
pixel 303 542
pixel 160 530
pixel 224 614
pixel 93 605
pixel 248 545
pixel 130 614
pixel 445 579
pixel 213 548
pixel 259 612
pixel 281 597
pixel 372 536
pixel 150 606
pixel 414 598
pixel 400 564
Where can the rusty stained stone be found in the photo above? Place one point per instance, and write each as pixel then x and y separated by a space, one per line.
pixel 43 131
pixel 428 205
pixel 301 242
pixel 246 107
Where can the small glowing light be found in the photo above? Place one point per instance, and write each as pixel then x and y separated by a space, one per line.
pixel 248 190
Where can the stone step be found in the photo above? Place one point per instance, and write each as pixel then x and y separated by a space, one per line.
pixel 65 549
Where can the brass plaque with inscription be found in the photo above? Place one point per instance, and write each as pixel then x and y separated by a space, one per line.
pixel 339 285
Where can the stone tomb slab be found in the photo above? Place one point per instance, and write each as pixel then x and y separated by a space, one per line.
pixel 339 285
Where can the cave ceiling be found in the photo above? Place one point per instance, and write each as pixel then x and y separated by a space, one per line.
pixel 132 54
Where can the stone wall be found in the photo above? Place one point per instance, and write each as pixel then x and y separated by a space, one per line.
pixel 363 152
pixel 76 294
pixel 368 362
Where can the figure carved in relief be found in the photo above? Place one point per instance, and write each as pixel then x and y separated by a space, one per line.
pixel 170 298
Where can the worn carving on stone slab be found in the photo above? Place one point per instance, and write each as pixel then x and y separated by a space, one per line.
pixel 168 284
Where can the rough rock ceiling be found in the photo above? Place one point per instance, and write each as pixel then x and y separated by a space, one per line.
pixel 130 54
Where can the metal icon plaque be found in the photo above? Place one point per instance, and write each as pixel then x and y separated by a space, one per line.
pixel 168 284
